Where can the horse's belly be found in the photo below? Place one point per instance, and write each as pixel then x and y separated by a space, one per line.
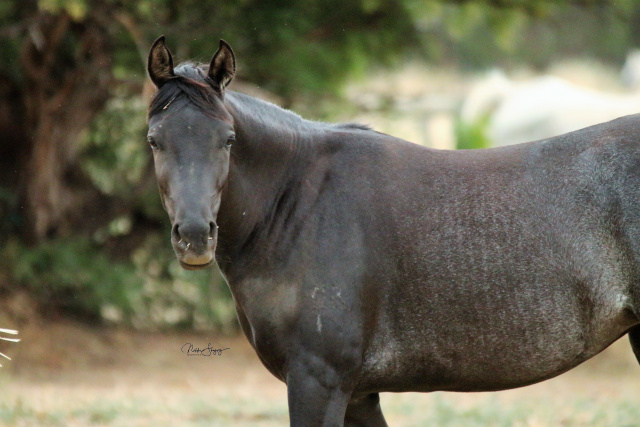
pixel 432 370
pixel 484 353
pixel 465 371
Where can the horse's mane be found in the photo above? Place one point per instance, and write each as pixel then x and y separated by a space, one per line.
pixel 355 126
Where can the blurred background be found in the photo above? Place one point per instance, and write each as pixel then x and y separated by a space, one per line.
pixel 84 241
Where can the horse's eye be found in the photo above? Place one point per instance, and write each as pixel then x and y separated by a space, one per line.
pixel 152 142
pixel 230 141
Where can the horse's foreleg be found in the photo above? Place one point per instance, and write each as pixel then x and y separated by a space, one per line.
pixel 315 393
pixel 634 338
pixel 365 411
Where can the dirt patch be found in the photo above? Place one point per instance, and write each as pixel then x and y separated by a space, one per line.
pixel 69 374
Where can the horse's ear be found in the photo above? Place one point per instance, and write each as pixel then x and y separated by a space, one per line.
pixel 160 64
pixel 223 66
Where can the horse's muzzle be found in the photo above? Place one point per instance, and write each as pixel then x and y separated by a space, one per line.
pixel 194 244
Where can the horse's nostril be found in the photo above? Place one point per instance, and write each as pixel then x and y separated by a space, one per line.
pixel 192 234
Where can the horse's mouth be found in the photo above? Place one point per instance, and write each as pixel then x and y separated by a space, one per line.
pixel 197 259
pixel 188 266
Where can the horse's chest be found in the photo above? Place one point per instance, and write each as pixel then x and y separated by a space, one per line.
pixel 267 310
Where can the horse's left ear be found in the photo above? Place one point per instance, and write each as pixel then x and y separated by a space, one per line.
pixel 223 66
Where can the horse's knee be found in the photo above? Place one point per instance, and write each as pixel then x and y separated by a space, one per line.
pixel 365 411
pixel 316 398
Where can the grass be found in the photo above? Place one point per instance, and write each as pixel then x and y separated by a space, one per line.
pixel 445 410
pixel 437 410
pixel 122 412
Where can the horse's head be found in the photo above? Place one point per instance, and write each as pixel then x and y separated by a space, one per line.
pixel 190 133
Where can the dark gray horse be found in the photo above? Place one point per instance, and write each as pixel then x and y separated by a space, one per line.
pixel 362 263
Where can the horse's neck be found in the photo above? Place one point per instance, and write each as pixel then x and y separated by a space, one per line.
pixel 249 112
pixel 269 138
pixel 272 146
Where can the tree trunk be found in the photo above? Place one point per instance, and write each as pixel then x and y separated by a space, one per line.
pixel 67 67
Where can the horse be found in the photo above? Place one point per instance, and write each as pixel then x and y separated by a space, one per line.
pixel 360 263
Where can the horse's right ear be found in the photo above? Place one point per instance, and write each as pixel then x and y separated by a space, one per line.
pixel 160 64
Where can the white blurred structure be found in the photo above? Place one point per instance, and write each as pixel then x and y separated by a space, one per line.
pixel 630 73
pixel 417 103
pixel 11 332
pixel 546 106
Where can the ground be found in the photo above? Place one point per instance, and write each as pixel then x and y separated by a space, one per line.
pixel 65 374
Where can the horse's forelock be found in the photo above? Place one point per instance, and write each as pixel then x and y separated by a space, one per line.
pixel 191 81
pixel 191 71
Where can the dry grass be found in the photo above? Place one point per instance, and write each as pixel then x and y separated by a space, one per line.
pixel 65 375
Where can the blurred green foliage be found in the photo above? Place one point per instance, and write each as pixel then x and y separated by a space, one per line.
pixel 332 41
pixel 472 135
pixel 114 146
pixel 76 277
pixel 73 275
